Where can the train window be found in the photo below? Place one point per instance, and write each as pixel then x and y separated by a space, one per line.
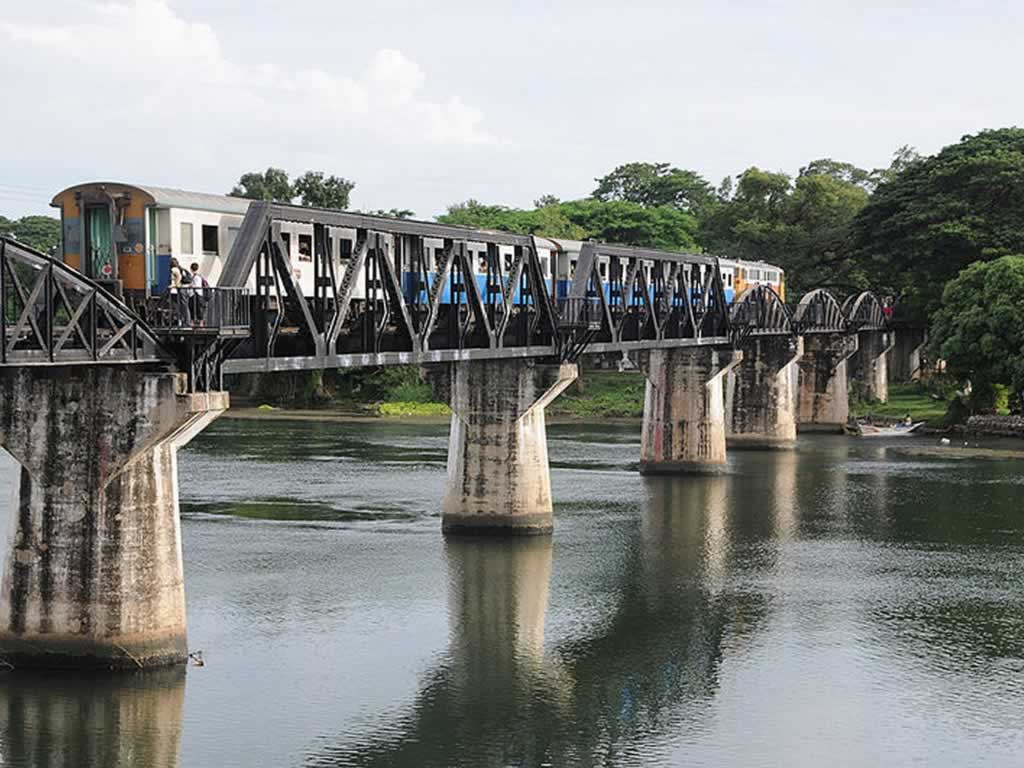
pixel 188 244
pixel 232 235
pixel 287 237
pixel 305 247
pixel 344 250
pixel 572 267
pixel 481 264
pixel 508 262
pixel 544 266
pixel 211 239
pixel 602 269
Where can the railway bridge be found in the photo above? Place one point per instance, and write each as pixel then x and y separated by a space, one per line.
pixel 97 400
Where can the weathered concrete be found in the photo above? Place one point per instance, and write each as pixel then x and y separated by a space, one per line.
pixel 92 719
pixel 684 409
pixel 498 476
pixel 906 355
pixel 761 393
pixel 94 573
pixel 824 398
pixel 869 371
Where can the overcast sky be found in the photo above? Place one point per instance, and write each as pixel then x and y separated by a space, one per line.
pixel 427 104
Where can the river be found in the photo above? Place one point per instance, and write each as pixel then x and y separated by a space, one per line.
pixel 842 604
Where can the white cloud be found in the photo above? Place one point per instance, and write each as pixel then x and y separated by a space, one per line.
pixel 151 68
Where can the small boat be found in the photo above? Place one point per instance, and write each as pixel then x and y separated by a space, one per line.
pixel 874 430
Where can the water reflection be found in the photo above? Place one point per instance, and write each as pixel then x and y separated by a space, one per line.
pixel 496 698
pixel 67 721
pixel 500 698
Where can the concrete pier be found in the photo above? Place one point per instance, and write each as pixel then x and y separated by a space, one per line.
pixel 684 409
pixel 905 357
pixel 824 398
pixel 498 478
pixel 761 393
pixel 869 371
pixel 93 575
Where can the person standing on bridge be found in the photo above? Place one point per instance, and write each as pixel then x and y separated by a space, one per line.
pixel 200 295
pixel 179 295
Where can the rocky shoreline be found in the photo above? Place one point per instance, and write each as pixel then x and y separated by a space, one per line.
pixel 997 426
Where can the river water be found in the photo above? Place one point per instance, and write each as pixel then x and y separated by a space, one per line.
pixel 843 604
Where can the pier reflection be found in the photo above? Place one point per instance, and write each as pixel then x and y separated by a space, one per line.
pixel 55 720
pixel 503 696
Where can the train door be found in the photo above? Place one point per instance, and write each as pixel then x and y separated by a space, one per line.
pixel 99 243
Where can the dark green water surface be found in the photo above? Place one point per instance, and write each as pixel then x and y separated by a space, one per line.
pixel 840 605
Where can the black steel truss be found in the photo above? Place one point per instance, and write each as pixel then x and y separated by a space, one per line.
pixel 864 313
pixel 410 311
pixel 52 314
pixel 760 311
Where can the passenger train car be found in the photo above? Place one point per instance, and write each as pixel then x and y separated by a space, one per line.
pixel 125 235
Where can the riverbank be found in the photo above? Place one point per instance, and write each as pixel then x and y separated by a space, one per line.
pixel 397 393
pixel 905 399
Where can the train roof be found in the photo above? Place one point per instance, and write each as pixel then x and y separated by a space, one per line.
pixel 163 197
pixel 748 263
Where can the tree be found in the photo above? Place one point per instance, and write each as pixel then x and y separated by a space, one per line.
pixel 39 232
pixel 802 226
pixel 656 184
pixel 616 221
pixel 979 327
pixel 392 213
pixel 941 213
pixel 271 185
pixel 845 172
pixel 318 191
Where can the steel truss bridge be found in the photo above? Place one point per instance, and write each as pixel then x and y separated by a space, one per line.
pixel 391 306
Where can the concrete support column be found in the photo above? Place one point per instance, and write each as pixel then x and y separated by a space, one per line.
pixel 904 361
pixel 498 477
pixel 824 401
pixel 93 575
pixel 869 366
pixel 684 409
pixel 761 393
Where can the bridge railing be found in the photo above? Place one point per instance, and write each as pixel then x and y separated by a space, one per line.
pixel 202 311
pixel 51 314
pixel 581 312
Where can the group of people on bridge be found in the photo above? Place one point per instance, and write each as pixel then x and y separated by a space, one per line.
pixel 188 290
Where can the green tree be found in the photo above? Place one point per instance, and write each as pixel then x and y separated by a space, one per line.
pixel 39 232
pixel 271 185
pixel 801 225
pixel 979 327
pixel 613 222
pixel 392 213
pixel 654 185
pixel 319 191
pixel 846 172
pixel 939 214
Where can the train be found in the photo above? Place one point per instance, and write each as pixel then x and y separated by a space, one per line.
pixel 124 235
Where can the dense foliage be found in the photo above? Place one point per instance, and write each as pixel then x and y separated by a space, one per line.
pixel 616 221
pixel 979 328
pixel 39 232
pixel 941 213
pixel 312 188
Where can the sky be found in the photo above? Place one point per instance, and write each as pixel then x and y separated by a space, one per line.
pixel 424 105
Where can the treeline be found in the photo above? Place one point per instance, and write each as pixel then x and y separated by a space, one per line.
pixel 39 232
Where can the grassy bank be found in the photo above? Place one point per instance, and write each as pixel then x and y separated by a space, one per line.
pixel 905 399
pixel 400 392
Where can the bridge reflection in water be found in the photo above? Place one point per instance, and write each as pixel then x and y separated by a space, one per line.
pixel 502 695
pixel 55 720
